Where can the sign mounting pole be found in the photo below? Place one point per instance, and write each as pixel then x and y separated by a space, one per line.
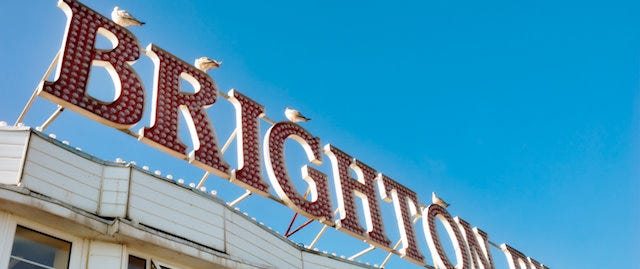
pixel 324 229
pixel 51 118
pixel 35 92
pixel 239 199
pixel 395 247
pixel 365 251
pixel 222 151
pixel 287 234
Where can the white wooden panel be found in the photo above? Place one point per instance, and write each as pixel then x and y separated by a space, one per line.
pixel 120 173
pixel 66 156
pixel 115 185
pixel 66 163
pixel 182 203
pixel 247 239
pixel 108 197
pixel 112 197
pixel 62 175
pixel 114 191
pixel 240 224
pixel 9 164
pixel 313 260
pixel 13 145
pixel 14 136
pixel 112 210
pixel 180 226
pixel 9 177
pixel 173 216
pixel 104 255
pixel 53 175
pixel 174 209
pixel 318 261
pixel 257 251
pixel 60 193
pixel 47 182
pixel 10 150
pixel 7 232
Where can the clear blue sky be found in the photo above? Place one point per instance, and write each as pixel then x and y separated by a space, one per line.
pixel 524 115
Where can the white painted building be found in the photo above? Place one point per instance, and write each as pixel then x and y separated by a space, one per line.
pixel 63 208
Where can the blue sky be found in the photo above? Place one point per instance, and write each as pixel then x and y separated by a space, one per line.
pixel 523 115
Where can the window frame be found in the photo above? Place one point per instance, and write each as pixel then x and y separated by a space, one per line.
pixel 41 235
pixel 151 260
pixel 77 244
pixel 160 265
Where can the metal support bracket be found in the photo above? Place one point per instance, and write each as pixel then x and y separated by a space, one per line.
pixel 35 92
pixel 239 199
pixel 388 257
pixel 229 140
pixel 324 229
pixel 203 179
pixel 317 238
pixel 288 232
pixel 51 118
pixel 365 251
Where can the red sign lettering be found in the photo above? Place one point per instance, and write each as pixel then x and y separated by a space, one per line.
pixel 79 54
pixel 69 90
pixel 249 172
pixel 320 208
pixel 364 188
pixel 405 203
pixel 168 99
pixel 440 258
pixel 478 244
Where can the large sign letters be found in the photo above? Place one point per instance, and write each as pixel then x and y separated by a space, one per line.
pixel 368 188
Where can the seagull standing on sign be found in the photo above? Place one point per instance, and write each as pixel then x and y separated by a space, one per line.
pixel 123 18
pixel 438 201
pixel 206 63
pixel 295 115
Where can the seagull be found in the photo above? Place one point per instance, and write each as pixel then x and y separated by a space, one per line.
pixel 436 200
pixel 294 115
pixel 206 63
pixel 123 18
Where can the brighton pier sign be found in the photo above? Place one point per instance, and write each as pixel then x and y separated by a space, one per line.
pixel 69 90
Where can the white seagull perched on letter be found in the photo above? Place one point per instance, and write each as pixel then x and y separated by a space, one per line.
pixel 294 115
pixel 123 18
pixel 206 63
pixel 437 200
